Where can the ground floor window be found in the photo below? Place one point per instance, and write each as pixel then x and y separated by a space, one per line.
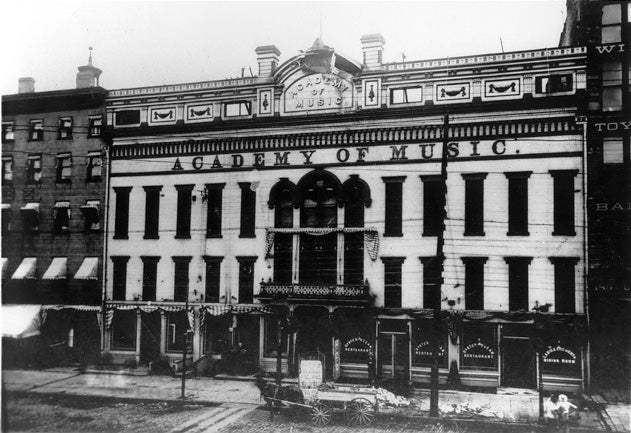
pixel 177 325
pixel 357 337
pixel 124 330
pixel 271 339
pixel 422 356
pixel 562 358
pixel 216 333
pixel 478 347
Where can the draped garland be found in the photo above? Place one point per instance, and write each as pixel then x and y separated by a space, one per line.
pixel 371 236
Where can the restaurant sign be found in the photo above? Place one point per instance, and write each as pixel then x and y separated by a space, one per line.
pixel 318 92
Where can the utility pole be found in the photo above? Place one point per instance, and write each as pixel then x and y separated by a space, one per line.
pixel 183 396
pixel 433 396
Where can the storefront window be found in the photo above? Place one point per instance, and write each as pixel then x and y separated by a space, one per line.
pixel 478 348
pixel 216 333
pixel 422 345
pixel 562 359
pixel 356 336
pixel 124 330
pixel 177 325
pixel 271 339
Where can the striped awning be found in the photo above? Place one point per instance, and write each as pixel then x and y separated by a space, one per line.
pixel 217 309
pixel 26 270
pixel 57 269
pixel 88 269
pixel 20 321
pixel 4 266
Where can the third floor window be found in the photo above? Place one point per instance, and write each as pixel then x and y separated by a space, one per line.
pixel 36 131
pixel 65 128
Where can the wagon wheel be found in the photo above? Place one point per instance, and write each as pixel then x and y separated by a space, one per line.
pixel 320 414
pixel 361 412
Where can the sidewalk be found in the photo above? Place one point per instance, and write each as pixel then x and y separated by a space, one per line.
pixel 507 406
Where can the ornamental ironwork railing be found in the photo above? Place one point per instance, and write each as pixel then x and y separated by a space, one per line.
pixel 338 292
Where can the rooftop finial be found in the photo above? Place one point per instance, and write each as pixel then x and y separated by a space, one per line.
pixel 90 58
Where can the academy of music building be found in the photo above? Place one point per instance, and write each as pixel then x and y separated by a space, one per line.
pixel 306 198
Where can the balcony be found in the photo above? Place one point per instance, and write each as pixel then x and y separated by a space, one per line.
pixel 313 293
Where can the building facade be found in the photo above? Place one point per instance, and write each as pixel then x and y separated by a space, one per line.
pixel 297 211
pixel 603 27
pixel 53 197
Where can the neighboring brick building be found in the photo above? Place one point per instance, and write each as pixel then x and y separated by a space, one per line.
pixel 604 28
pixel 53 198
pixel 312 190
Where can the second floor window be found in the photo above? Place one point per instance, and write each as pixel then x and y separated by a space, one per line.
pixel 91 216
pixel 394 206
pixel 64 168
pixel 149 277
pixel 214 198
pixel 119 277
pixel 94 167
pixel 432 281
pixel 180 283
pixel 34 169
pixel 152 211
pixel 518 203
pixel 8 132
pixel 474 204
pixel 7 169
pixel 246 279
pixel 36 131
pixel 392 281
pixel 518 283
pixel 564 284
pixel 433 205
pixel 474 282
pixel 248 210
pixel 183 223
pixel 65 128
pixel 563 202
pixel 213 278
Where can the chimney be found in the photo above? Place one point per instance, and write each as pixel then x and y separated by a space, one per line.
pixel 26 85
pixel 88 75
pixel 267 57
pixel 372 47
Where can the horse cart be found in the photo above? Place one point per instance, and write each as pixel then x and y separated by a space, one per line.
pixel 321 400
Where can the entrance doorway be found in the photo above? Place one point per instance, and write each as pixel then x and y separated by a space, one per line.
pixel 393 355
pixel 518 363
pixel 149 337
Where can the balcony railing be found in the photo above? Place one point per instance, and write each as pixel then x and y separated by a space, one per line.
pixel 344 293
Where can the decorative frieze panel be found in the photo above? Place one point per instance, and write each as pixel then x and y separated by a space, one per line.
pixel 502 89
pixel 453 92
pixel 198 113
pixel 371 90
pixel 266 102
pixel 162 115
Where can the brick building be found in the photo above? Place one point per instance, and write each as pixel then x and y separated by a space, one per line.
pixel 603 27
pixel 53 197
pixel 303 203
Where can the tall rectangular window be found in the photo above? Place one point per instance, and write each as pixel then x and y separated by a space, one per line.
pixel 433 205
pixel 65 128
pixel 213 278
pixel 121 221
pixel 119 277
pixel 283 258
pixel 394 206
pixel 518 282
pixel 392 281
pixel 563 202
pixel 354 258
pixel 152 211
pixel 149 277
pixel 432 281
pixel 36 131
pixel 183 226
pixel 91 216
pixel 8 132
pixel 611 90
pixel 180 279
pixel 34 169
pixel 474 282
pixel 94 164
pixel 248 210
pixel 611 30
pixel 214 198
pixel 95 125
pixel 613 150
pixel 518 202
pixel 63 168
pixel 474 204
pixel 61 217
pixel 564 284
pixel 246 279
pixel 7 169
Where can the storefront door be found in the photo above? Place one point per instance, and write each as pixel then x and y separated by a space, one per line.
pixel 393 355
pixel 149 337
pixel 518 363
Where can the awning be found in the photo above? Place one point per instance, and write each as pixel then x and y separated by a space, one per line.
pixel 57 269
pixel 20 321
pixel 6 206
pixel 4 266
pixel 26 270
pixel 88 269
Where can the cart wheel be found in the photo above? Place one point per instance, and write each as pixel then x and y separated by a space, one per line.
pixel 320 414
pixel 361 412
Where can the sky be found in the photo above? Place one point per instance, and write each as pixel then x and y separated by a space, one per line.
pixel 147 43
